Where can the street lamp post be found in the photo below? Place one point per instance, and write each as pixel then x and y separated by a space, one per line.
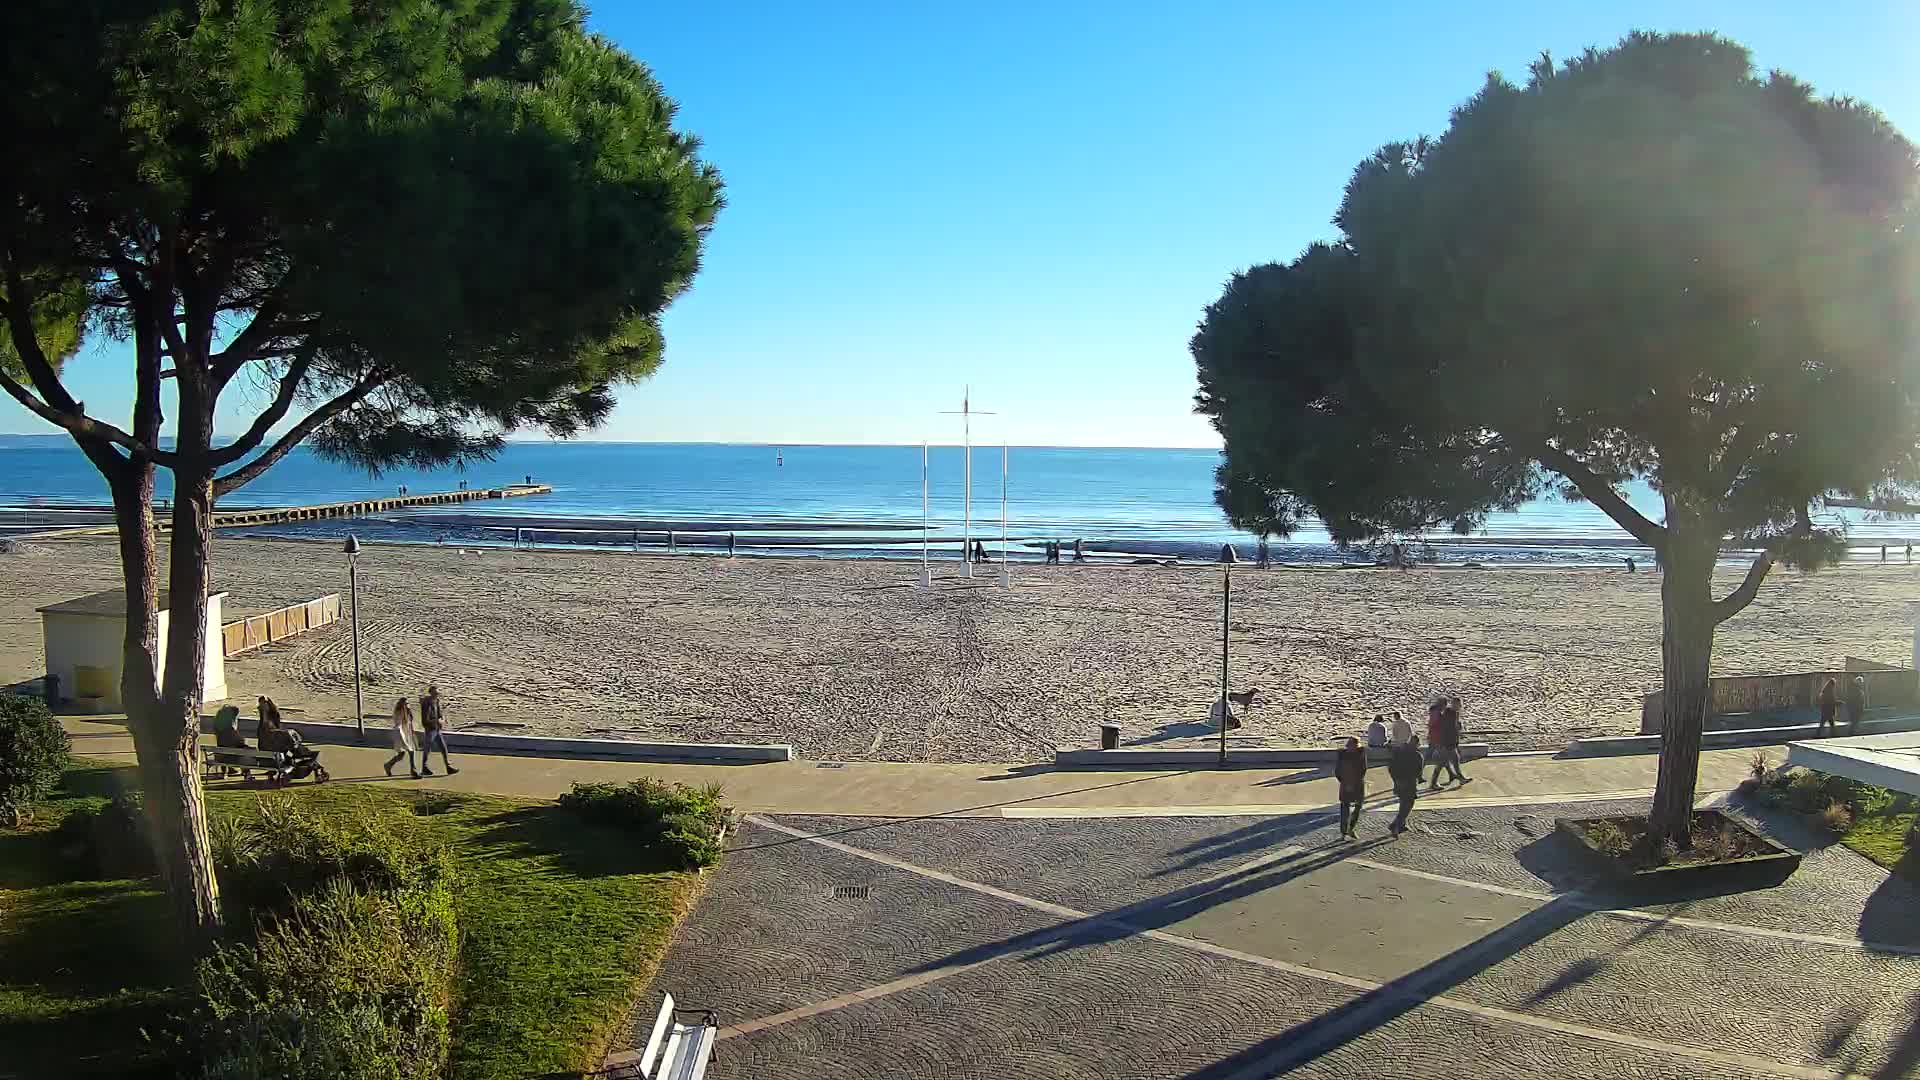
pixel 1227 558
pixel 352 549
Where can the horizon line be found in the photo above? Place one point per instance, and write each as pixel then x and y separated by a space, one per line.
pixel 534 441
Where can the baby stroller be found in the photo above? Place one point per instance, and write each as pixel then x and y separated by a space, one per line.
pixel 302 760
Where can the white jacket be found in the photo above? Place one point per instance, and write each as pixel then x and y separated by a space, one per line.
pixel 403 730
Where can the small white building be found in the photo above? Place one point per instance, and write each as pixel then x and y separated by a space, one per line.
pixel 85 641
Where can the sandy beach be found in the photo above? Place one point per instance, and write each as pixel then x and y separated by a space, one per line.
pixel 847 660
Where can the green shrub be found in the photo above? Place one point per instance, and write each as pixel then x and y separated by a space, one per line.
pixel 1608 838
pixel 283 851
pixel 110 841
pixel 33 752
pixel 683 824
pixel 1807 791
pixel 349 971
pixel 1837 818
pixel 349 984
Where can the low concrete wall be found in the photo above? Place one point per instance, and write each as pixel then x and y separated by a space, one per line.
pixel 1721 739
pixel 1137 757
pixel 1758 696
pixel 468 742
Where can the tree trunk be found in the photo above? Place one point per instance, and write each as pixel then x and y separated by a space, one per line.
pixel 174 794
pixel 1686 660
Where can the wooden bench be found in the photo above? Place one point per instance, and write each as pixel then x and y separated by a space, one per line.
pixel 278 765
pixel 677 1051
pixel 226 757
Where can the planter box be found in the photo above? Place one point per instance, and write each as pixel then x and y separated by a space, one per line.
pixel 1773 863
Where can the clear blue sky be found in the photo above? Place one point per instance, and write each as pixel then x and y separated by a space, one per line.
pixel 1039 199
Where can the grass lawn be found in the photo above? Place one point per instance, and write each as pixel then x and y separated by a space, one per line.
pixel 561 924
pixel 1881 830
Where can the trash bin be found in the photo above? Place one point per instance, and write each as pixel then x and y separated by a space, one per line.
pixel 1109 736
pixel 51 686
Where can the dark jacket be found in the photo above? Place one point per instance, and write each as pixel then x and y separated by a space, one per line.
pixel 1405 766
pixel 1350 768
pixel 431 718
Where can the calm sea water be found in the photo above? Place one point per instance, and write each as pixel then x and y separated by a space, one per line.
pixel 853 501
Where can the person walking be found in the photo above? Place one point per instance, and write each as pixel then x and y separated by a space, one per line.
pixel 1350 770
pixel 1450 732
pixel 1829 704
pixel 1856 703
pixel 1404 766
pixel 403 739
pixel 1436 740
pixel 1909 551
pixel 433 719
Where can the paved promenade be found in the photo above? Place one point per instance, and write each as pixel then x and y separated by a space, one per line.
pixel 955 921
pixel 916 790
pixel 1209 948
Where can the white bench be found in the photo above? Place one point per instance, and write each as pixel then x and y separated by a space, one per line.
pixel 677 1051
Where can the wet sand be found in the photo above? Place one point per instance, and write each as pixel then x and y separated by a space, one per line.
pixel 847 660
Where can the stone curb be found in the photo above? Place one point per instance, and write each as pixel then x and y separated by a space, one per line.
pixel 1207 757
pixel 378 734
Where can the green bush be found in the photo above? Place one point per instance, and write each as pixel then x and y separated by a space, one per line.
pixel 685 825
pixel 1608 838
pixel 350 984
pixel 283 851
pixel 1807 791
pixel 33 752
pixel 110 841
pixel 349 971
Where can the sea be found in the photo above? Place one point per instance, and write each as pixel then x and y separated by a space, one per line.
pixel 835 502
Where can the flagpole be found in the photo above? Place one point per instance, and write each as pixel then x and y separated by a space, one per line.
pixel 1006 582
pixel 967 413
pixel 966 426
pixel 926 571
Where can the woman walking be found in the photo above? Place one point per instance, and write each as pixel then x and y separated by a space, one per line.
pixel 403 741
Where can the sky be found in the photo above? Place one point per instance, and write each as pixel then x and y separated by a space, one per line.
pixel 1037 201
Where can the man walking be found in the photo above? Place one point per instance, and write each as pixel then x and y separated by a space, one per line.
pixel 1856 703
pixel 1350 770
pixel 1447 753
pixel 433 720
pixel 1405 766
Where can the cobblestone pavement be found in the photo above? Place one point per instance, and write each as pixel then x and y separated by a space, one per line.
pixel 1215 948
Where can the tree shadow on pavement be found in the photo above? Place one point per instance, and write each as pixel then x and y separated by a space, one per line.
pixel 1336 1027
pixel 1892 912
pixel 1157 912
pixel 1249 840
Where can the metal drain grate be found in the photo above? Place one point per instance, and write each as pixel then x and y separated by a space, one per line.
pixel 829 764
pixel 850 892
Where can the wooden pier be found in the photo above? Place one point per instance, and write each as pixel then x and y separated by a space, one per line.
pixel 282 514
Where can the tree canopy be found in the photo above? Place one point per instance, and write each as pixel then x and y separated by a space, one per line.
pixel 396 229
pixel 419 224
pixel 1646 262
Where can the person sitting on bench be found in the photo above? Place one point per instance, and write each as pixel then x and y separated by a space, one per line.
pixel 277 738
pixel 226 735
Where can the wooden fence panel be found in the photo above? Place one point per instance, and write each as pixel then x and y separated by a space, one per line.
pixel 233 638
pixel 276 624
